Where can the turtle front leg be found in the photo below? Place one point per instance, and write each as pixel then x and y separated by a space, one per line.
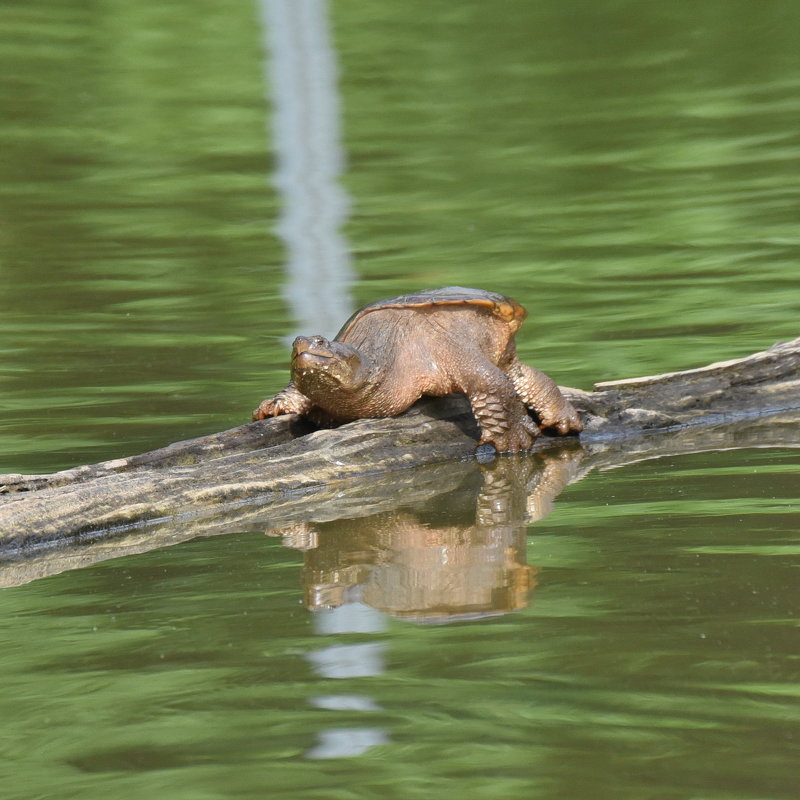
pixel 288 401
pixel 502 418
pixel 541 394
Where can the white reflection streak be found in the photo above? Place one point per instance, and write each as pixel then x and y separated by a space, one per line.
pixel 342 661
pixel 346 742
pixel 301 70
pixel 348 661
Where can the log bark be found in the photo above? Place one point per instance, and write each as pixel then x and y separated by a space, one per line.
pixel 278 472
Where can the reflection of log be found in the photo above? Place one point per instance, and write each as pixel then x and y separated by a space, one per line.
pixel 276 471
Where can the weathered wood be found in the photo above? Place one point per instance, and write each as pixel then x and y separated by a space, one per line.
pixel 274 472
pixel 243 439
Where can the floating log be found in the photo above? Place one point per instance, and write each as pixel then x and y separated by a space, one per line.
pixel 280 472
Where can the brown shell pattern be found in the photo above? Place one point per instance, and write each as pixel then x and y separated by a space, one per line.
pixel 502 307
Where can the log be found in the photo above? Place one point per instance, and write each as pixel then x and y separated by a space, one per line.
pixel 281 472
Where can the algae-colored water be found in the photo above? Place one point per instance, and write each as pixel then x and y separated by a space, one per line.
pixel 628 171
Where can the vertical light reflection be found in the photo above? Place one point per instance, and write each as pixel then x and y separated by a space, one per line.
pixel 301 70
pixel 348 662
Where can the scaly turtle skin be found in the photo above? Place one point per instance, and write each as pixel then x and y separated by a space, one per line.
pixel 437 342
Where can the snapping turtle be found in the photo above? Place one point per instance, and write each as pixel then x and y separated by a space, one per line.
pixel 437 342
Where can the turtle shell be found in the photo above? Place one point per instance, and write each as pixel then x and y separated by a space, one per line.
pixel 504 308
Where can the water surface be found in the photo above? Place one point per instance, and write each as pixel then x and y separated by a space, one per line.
pixel 629 173
pixel 654 653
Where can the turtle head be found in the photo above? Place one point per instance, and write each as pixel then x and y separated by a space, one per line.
pixel 322 370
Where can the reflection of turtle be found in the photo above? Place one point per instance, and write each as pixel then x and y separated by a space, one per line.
pixel 441 543
pixel 438 342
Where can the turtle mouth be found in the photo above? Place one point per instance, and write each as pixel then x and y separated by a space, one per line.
pixel 309 350
pixel 309 358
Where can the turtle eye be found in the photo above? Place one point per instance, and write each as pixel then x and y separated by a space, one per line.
pixel 318 341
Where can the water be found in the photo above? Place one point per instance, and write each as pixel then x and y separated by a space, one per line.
pixel 654 655
pixel 628 172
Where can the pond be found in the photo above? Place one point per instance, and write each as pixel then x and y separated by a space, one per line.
pixel 186 186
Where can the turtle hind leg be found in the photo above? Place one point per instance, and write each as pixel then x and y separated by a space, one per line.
pixel 541 394
pixel 502 418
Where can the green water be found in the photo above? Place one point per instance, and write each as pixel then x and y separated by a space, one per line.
pixel 628 171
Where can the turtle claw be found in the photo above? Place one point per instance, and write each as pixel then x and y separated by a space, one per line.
pixel 288 401
pixel 568 421
pixel 516 438
pixel 267 408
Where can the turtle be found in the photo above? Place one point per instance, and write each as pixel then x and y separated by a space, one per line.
pixel 436 342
